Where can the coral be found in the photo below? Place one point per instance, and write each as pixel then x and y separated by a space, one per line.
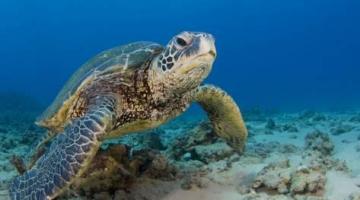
pixel 160 168
pixel 307 180
pixel 318 117
pixel 318 151
pixel 355 119
pixel 284 179
pixel 200 135
pixel 104 174
pixel 150 140
pixel 112 169
pixel 316 159
pixel 261 149
pixel 270 124
pixel 291 128
pixel 319 141
pixel 287 148
pixel 311 117
pixel 212 152
pixel 189 155
pixel 275 176
pixel 191 166
pixel 341 129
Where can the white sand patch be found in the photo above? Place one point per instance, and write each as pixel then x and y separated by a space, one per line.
pixel 340 185
pixel 213 192
pixel 346 149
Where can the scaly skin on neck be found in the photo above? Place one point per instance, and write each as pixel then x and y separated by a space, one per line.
pixel 174 84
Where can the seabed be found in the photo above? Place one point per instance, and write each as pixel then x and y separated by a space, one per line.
pixel 303 156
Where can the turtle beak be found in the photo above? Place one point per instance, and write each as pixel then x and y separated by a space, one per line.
pixel 208 45
pixel 205 56
pixel 201 61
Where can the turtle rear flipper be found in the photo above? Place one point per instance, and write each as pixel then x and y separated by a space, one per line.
pixel 19 163
pixel 68 156
pixel 224 115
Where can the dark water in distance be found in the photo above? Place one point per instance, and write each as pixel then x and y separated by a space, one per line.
pixel 279 53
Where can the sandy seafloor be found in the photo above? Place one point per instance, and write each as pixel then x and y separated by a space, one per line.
pixel 305 155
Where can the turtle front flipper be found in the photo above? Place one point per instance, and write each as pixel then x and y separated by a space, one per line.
pixel 68 156
pixel 224 115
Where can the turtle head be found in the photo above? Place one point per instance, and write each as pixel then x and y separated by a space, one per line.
pixel 187 60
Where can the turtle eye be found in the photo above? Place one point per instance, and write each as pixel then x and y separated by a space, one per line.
pixel 181 42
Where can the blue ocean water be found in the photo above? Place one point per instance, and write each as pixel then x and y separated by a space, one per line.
pixel 272 54
pixel 275 54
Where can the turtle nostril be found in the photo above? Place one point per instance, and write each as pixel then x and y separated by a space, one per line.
pixel 210 36
pixel 212 52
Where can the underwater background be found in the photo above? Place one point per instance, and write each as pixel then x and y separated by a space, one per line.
pixel 277 54
pixel 293 67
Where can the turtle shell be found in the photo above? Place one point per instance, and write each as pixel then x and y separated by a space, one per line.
pixel 124 58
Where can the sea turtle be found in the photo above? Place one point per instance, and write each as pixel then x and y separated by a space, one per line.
pixel 127 89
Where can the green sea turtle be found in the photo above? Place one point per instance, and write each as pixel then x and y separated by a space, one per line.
pixel 126 89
